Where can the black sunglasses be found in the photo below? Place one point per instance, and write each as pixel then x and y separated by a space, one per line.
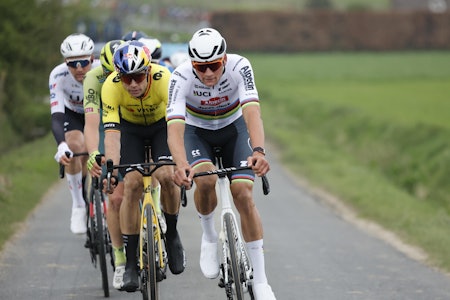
pixel 137 77
pixel 78 63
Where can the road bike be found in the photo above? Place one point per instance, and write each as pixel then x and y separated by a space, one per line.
pixel 98 241
pixel 152 255
pixel 236 271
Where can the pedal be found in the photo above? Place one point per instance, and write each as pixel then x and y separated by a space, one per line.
pixel 87 243
pixel 221 284
pixel 245 287
pixel 142 280
pixel 160 275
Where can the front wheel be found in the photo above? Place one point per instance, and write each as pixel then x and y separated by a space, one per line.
pixel 100 240
pixel 150 283
pixel 235 259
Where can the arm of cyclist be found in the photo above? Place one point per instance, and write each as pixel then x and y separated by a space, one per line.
pixel 112 151
pixel 57 112
pixel 111 124
pixel 91 133
pixel 258 161
pixel 58 133
pixel 175 139
pixel 91 105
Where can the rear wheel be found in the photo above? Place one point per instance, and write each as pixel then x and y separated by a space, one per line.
pixel 235 258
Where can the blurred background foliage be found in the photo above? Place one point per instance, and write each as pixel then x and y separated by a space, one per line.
pixel 32 30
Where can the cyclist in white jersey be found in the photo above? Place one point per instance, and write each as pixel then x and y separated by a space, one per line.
pixel 67 113
pixel 213 101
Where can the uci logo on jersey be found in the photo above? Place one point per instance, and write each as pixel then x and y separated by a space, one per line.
pixel 202 94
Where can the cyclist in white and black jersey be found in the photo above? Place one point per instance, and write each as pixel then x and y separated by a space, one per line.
pixel 212 107
pixel 67 113
pixel 213 102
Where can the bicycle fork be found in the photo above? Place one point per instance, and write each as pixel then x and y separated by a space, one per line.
pixel 161 255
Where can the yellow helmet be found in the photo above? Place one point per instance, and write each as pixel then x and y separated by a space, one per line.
pixel 107 54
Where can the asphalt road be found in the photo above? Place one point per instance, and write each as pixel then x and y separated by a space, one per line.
pixel 311 253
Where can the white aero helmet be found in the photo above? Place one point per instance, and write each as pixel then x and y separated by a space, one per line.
pixel 154 45
pixel 77 44
pixel 178 58
pixel 207 45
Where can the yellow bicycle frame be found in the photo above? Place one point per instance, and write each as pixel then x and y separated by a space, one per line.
pixel 148 200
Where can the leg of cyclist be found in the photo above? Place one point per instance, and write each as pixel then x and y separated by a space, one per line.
pixel 170 196
pixel 156 195
pixel 242 192
pixel 113 219
pixel 129 224
pixel 205 199
pixel 252 232
pixel 198 152
pixel 170 201
pixel 74 175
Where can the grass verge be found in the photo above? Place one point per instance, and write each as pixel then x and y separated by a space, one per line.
pixel 26 174
pixel 370 128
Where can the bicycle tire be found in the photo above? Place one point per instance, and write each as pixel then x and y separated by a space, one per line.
pixel 100 240
pixel 91 229
pixel 150 288
pixel 230 227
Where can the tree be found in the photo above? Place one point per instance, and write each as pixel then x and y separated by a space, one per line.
pixel 31 34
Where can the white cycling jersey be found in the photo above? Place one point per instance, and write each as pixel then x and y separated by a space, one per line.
pixel 65 90
pixel 214 107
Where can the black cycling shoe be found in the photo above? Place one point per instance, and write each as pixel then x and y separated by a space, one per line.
pixel 130 279
pixel 175 253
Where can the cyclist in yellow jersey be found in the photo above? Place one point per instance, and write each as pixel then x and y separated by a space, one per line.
pixel 154 46
pixel 134 100
pixel 94 134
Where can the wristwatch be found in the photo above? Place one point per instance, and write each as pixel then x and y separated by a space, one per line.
pixel 260 150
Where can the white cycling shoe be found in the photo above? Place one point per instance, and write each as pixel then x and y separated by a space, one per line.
pixel 209 260
pixel 263 291
pixel 118 277
pixel 78 220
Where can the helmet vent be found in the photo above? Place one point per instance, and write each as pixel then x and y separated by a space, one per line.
pixel 208 56
pixel 222 47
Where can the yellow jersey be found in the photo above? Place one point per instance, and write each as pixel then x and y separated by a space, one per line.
pixel 145 110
